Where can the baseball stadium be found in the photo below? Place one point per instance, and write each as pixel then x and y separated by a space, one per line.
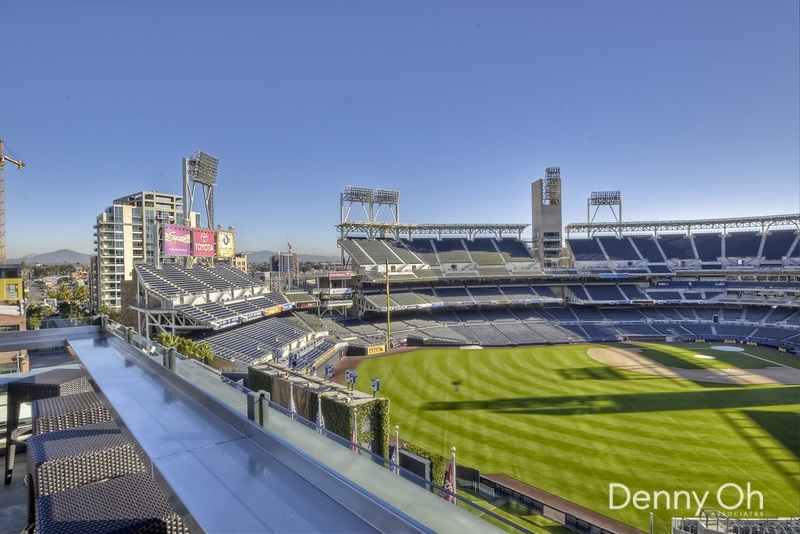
pixel 598 377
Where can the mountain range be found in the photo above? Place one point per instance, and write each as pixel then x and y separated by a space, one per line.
pixel 59 257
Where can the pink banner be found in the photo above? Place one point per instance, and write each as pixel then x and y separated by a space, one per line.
pixel 203 242
pixel 177 240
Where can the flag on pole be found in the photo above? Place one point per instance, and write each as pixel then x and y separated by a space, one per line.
pixel 448 485
pixel 289 245
pixel 320 420
pixel 292 407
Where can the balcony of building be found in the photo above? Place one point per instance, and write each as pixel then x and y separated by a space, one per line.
pixel 226 458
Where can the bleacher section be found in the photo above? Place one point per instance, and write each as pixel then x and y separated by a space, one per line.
pixel 778 243
pixel 586 250
pixel 379 251
pixel 618 249
pixel 709 247
pixel 648 248
pixel 213 297
pixel 668 252
pixel 604 293
pixel 742 245
pixel 256 342
pixel 513 251
pixel 451 250
pixel 479 253
pixel 483 252
pixel 170 281
pixel 423 249
pixel 676 247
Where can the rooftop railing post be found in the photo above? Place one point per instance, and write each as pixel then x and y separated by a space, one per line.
pixel 263 399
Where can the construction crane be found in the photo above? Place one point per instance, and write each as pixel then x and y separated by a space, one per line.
pixel 19 164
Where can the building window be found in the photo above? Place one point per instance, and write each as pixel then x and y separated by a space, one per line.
pixel 9 328
pixel 12 291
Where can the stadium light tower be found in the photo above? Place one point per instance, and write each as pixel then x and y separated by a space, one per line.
pixel 546 230
pixel 201 169
pixel 371 201
pixel 611 199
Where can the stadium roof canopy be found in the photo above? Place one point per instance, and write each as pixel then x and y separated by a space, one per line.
pixel 761 224
pixel 372 230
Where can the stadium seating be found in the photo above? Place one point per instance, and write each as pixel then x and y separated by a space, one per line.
pixel 470 316
pixel 619 249
pixel 709 247
pixel 638 330
pixel 676 247
pixel 659 269
pixel 648 248
pixel 379 251
pixel 423 249
pixel 353 249
pixel 632 292
pixel 518 292
pixel 513 251
pixel 620 315
pixel 742 245
pixel 579 292
pixel 586 250
pixel 483 251
pixel 451 250
pixel 588 313
pixel 609 293
pixel 486 294
pixel 544 292
pixel 454 295
pixel 730 331
pixel 600 332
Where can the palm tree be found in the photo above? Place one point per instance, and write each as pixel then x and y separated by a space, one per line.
pixel 203 352
pixel 166 339
pixel 63 293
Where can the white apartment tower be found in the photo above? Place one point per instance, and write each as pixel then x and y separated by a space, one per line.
pixel 126 233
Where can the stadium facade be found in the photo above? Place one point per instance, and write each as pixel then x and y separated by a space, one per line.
pixel 731 280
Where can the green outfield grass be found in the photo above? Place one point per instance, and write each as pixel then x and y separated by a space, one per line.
pixel 684 356
pixel 554 418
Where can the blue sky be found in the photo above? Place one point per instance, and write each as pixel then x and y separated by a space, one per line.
pixel 690 108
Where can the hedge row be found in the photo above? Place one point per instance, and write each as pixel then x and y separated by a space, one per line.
pixel 373 416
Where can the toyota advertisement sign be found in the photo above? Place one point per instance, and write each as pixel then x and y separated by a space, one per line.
pixel 203 243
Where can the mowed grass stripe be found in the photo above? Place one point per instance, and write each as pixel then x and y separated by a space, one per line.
pixel 529 414
pixel 683 355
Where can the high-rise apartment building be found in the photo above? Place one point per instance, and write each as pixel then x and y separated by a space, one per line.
pixel 126 233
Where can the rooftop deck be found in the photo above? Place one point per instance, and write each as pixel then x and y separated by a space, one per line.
pixel 222 471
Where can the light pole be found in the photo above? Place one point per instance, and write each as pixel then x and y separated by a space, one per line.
pixel 453 473
pixel 397 449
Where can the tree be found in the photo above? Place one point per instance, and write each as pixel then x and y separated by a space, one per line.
pixel 203 352
pixel 63 293
pixel 112 313
pixel 187 347
pixel 166 339
pixel 34 322
pixel 79 294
